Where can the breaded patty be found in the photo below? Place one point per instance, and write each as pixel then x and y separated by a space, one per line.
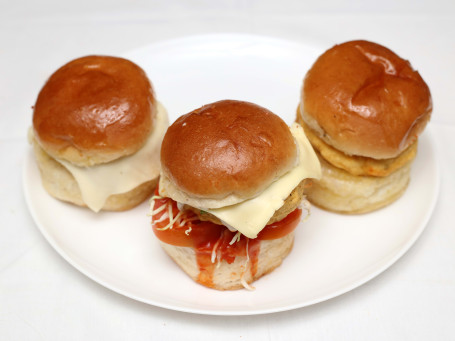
pixel 290 204
pixel 358 165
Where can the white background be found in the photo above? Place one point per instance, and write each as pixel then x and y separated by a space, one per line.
pixel 43 298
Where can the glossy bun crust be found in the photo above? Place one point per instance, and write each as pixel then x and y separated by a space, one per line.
pixel 227 147
pixel 363 99
pixel 93 110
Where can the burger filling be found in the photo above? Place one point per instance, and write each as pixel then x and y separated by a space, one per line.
pixel 290 204
pixel 213 242
pixel 251 215
pixel 356 164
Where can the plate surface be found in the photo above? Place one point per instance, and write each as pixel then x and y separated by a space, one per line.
pixel 332 253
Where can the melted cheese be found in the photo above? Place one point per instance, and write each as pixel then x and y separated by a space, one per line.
pixel 250 216
pixel 98 182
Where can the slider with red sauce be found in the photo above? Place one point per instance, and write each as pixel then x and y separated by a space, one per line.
pixel 230 192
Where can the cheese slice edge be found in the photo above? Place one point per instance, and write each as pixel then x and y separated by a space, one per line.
pixel 98 182
pixel 250 216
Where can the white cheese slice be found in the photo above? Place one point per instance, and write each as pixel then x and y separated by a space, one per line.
pixel 250 216
pixel 98 182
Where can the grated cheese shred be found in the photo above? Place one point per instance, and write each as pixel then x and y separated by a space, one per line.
pixel 180 218
pixel 158 210
pixel 242 279
pixel 305 204
pixel 236 238
pixel 215 249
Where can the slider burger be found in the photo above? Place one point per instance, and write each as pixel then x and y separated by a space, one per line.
pixel 97 132
pixel 229 198
pixel 362 108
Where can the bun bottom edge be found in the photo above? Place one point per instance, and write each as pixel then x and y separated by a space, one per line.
pixel 227 276
pixel 341 192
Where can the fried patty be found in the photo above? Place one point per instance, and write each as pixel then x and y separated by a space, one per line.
pixel 290 204
pixel 358 165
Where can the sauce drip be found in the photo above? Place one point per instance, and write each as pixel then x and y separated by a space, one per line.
pixel 212 243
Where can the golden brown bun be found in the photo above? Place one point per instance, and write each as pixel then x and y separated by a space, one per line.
pixel 342 192
pixel 229 276
pixel 61 184
pixel 93 110
pixel 227 148
pixel 363 99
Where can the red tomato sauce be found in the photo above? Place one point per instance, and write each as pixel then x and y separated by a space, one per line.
pixel 212 243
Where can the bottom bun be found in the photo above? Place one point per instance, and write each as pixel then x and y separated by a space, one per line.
pixel 61 184
pixel 342 192
pixel 238 274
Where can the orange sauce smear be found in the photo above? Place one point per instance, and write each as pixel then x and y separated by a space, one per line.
pixel 211 240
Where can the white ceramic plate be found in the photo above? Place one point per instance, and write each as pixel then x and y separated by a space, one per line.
pixel 332 254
